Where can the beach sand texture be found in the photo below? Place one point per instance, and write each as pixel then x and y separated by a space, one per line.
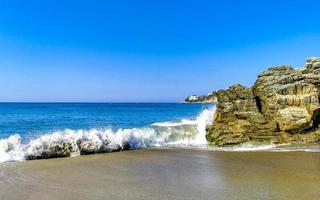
pixel 165 174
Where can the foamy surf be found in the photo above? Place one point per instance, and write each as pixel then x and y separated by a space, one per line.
pixel 248 147
pixel 80 142
pixel 251 147
pixel 185 133
pixel 172 123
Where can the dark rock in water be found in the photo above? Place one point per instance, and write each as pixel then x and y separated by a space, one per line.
pixel 57 147
pixel 281 107
pixel 54 149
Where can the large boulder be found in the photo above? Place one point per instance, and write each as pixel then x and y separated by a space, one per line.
pixel 281 107
pixel 293 119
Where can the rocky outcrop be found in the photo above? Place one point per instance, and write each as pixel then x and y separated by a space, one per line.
pixel 209 98
pixel 281 107
pixel 193 99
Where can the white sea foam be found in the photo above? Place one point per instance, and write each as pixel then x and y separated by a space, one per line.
pixel 77 142
pixel 199 124
pixel 251 147
pixel 177 123
pixel 11 149
pixel 247 147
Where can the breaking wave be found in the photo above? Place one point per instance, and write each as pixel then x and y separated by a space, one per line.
pixel 189 133
pixel 80 142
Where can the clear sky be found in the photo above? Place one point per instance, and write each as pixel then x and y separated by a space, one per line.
pixel 147 51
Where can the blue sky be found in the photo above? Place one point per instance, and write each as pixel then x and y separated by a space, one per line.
pixel 147 51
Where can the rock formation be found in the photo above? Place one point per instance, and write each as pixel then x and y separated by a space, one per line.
pixel 281 107
pixel 209 98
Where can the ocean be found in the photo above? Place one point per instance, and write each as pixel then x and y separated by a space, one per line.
pixel 48 130
pixel 45 130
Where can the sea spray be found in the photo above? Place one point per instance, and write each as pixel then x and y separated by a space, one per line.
pixel 80 142
pixel 11 149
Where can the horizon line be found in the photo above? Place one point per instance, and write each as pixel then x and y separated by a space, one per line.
pixel 137 102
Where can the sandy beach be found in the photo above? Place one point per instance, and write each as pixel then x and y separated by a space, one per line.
pixel 165 174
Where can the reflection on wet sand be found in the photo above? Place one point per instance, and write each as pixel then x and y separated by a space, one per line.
pixel 166 174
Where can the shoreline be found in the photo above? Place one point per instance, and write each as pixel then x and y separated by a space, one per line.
pixel 158 173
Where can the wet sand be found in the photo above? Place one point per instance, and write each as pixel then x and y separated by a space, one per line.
pixel 166 174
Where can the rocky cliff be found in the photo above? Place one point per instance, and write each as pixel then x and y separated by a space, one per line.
pixel 281 107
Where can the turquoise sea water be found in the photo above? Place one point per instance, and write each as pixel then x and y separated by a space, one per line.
pixel 47 130
pixel 30 120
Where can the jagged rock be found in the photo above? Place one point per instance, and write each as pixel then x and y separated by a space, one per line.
pixel 281 107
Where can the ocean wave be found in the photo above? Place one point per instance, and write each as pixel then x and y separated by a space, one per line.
pixel 80 142
pixel 175 123
pixel 186 133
